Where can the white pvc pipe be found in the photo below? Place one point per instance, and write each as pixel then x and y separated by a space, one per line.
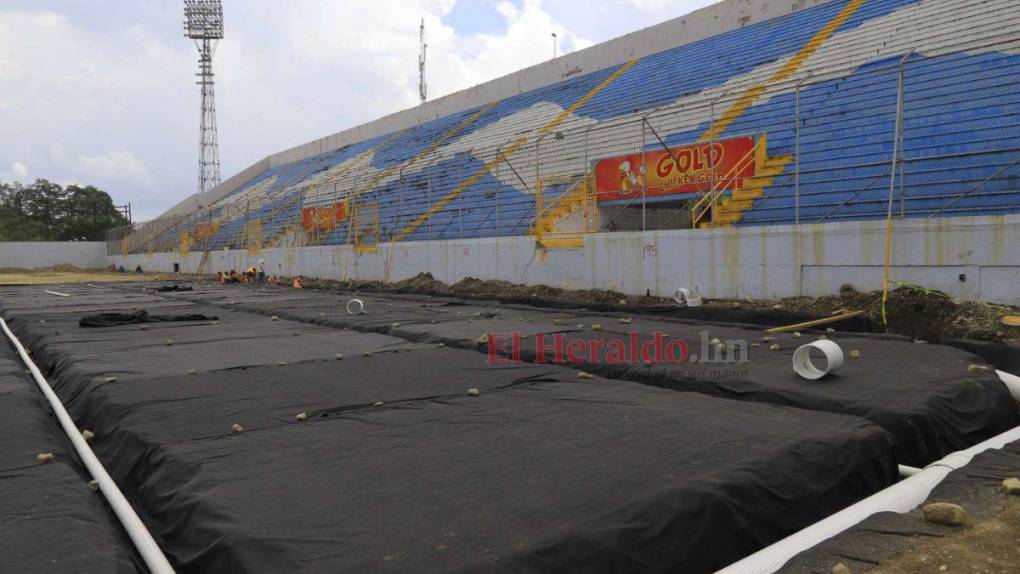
pixel 358 307
pixel 901 497
pixel 803 365
pixel 147 547
pixel 1012 383
pixel 908 471
pixel 58 293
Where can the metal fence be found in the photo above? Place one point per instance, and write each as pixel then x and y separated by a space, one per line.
pixel 852 143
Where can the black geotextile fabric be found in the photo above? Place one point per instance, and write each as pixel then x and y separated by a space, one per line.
pixel 137 318
pixel 235 340
pixel 924 395
pixel 976 487
pixel 1004 356
pixel 543 471
pixel 51 521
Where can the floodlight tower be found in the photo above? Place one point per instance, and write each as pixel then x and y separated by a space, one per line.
pixel 203 23
pixel 422 87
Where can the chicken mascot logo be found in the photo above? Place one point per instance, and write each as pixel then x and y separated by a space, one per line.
pixel 631 180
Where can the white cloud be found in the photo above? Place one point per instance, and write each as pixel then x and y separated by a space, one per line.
pixel 526 42
pixel 650 4
pixel 20 171
pixel 106 97
pixel 120 165
pixel 105 94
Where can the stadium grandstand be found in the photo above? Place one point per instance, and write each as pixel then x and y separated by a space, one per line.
pixel 841 110
pixel 733 294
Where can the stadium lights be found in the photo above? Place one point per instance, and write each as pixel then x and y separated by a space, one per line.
pixel 203 23
pixel 203 19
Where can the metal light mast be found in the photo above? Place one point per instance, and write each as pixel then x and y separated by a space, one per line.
pixel 203 23
pixel 422 88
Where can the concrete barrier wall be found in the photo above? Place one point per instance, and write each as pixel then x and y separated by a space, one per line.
pixel 35 254
pixel 968 257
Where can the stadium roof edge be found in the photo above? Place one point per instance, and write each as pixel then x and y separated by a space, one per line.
pixel 706 22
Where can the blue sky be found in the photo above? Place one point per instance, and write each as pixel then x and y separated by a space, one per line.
pixel 102 92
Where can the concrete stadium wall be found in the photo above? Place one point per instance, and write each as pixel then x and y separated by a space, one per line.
pixel 716 19
pixel 36 254
pixel 967 257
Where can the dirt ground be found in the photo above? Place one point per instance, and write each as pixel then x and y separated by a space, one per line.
pixel 913 311
pixel 71 274
pixel 991 546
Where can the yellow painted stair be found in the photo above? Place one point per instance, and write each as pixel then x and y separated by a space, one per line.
pixel 544 227
pixel 732 207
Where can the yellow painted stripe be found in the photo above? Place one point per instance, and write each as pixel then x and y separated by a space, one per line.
pixel 443 139
pixel 789 68
pixel 507 152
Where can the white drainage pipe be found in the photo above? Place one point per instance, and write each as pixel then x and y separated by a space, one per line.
pixel 355 307
pixel 57 293
pixel 901 497
pixel 683 296
pixel 147 547
pixel 908 471
pixel 1012 383
pixel 803 365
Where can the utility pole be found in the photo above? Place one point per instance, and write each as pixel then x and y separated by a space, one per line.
pixel 422 87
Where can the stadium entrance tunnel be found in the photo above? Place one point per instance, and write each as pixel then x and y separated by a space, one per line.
pixel 286 434
pixel 654 213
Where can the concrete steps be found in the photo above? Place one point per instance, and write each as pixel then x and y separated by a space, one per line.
pixel 732 208
pixel 562 207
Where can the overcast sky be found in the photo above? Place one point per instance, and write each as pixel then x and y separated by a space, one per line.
pixel 102 92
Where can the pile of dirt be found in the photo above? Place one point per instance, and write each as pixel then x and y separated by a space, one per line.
pixel 911 310
pixel 472 288
pixel 65 274
pixel 62 268
pixel 987 546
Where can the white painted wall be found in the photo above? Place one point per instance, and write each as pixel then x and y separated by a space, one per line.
pixel 759 262
pixel 35 254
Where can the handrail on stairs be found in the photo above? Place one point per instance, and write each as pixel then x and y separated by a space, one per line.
pixel 535 221
pixel 576 181
pixel 698 210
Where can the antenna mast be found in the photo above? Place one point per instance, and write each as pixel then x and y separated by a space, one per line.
pixel 422 87
pixel 203 23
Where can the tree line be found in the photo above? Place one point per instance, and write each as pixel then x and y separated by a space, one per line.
pixel 46 211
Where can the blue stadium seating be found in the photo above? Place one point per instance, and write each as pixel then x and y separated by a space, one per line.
pixel 961 118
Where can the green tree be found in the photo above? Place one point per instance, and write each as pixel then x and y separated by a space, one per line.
pixel 45 211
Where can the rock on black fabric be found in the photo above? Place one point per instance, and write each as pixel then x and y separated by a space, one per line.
pixel 52 521
pixel 1004 356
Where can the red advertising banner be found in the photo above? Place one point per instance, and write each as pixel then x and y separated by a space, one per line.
pixel 323 217
pixel 622 177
